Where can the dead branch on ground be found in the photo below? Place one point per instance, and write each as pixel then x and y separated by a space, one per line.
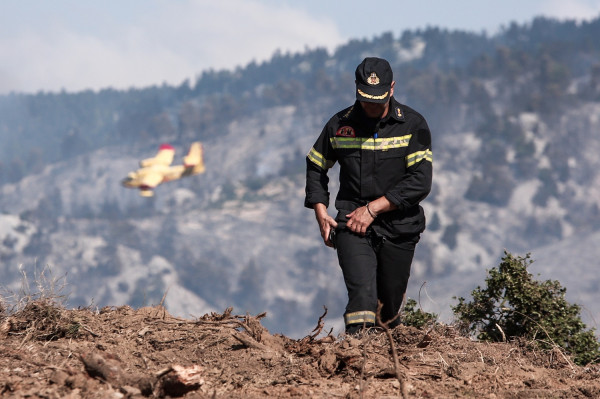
pixel 311 338
pixel 386 328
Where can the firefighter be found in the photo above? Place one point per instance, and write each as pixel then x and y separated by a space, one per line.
pixel 384 151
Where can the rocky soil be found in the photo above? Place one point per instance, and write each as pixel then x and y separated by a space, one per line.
pixel 47 351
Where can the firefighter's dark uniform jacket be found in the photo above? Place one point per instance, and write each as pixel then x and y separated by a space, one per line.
pixel 390 157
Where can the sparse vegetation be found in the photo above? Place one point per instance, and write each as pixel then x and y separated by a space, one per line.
pixel 36 311
pixel 515 305
pixel 41 286
pixel 416 317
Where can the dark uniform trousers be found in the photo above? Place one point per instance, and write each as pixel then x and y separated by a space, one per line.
pixel 375 269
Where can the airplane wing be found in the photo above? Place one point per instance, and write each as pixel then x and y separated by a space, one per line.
pixel 165 155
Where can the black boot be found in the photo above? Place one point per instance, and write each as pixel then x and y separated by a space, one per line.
pixel 354 329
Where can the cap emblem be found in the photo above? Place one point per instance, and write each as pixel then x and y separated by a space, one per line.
pixel 373 79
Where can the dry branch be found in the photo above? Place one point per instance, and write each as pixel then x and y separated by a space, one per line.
pixel 317 330
pixel 385 327
pixel 107 367
pixel 249 341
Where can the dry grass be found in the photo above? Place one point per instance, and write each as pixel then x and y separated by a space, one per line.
pixel 36 311
pixel 43 285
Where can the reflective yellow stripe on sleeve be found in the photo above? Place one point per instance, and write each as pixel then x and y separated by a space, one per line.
pixel 365 316
pixel 418 156
pixel 317 158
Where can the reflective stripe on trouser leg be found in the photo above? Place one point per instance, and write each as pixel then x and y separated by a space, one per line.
pixel 363 317
pixel 359 267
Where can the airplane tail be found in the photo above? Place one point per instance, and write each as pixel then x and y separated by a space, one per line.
pixel 194 160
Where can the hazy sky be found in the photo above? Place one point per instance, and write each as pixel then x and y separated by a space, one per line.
pixel 94 44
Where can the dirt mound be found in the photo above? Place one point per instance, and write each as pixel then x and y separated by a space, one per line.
pixel 50 352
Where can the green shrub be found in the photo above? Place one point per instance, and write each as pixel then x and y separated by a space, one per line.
pixel 415 317
pixel 515 305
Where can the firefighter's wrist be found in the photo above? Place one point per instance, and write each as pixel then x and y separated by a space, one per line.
pixel 373 215
pixel 320 211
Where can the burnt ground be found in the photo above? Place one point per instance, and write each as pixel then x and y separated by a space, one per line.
pixel 47 351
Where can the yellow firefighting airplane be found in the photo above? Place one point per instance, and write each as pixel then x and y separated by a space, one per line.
pixel 157 170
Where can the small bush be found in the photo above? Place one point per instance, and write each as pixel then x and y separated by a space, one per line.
pixel 415 317
pixel 515 305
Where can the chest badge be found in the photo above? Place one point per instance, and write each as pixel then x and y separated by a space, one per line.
pixel 346 131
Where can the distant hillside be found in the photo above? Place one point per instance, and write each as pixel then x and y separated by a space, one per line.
pixel 513 118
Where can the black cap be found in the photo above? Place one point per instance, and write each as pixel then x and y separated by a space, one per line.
pixel 374 80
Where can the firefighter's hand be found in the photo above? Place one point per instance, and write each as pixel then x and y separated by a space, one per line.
pixel 326 223
pixel 326 226
pixel 358 220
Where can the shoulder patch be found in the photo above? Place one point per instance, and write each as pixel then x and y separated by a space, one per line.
pixel 399 113
pixel 346 131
